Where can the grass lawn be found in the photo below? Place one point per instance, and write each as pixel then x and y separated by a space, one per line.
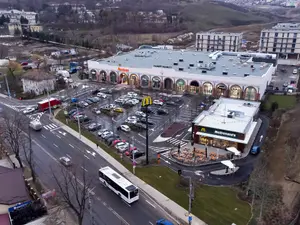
pixel 284 101
pixel 213 205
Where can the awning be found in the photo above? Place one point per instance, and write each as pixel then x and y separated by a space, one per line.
pixel 233 150
pixel 228 163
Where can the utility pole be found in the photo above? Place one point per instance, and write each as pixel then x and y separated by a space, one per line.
pixel 133 159
pixel 78 122
pixel 190 201
pixel 145 103
pixel 7 86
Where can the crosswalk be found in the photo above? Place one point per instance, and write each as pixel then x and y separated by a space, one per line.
pixel 175 142
pixel 51 126
pixel 160 149
pixel 36 116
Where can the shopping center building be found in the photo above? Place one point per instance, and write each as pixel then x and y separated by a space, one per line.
pixel 229 74
pixel 227 123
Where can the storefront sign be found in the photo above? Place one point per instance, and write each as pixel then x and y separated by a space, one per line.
pixel 221 133
pixel 123 69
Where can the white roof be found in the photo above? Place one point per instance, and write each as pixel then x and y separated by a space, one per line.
pixel 245 141
pixel 114 176
pixel 228 163
pixel 216 116
pixel 46 100
pixel 234 150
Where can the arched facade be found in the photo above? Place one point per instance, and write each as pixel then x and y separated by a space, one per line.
pixel 221 90
pixel 235 91
pixel 134 80
pixel 156 82
pixel 180 85
pixel 113 77
pixel 208 88
pixel 145 80
pixel 103 76
pixel 124 78
pixel 194 87
pixel 168 83
pixel 93 74
pixel 250 93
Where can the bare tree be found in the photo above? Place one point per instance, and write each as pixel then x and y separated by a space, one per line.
pixel 26 144
pixel 13 133
pixel 3 51
pixel 73 190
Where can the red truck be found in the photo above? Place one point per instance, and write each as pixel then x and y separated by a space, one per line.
pixel 44 105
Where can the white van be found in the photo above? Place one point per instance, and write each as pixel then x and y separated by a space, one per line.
pixel 35 125
pixel 295 71
pixel 63 73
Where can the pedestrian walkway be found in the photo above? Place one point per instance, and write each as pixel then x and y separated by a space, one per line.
pixel 160 149
pixel 36 116
pixel 176 211
pixel 175 142
pixel 50 126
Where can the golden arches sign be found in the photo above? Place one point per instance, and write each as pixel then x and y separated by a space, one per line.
pixel 146 101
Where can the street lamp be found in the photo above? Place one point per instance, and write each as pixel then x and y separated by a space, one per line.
pixel 7 86
pixel 78 122
pixel 145 103
pixel 49 104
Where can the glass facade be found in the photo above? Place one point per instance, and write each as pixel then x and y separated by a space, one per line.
pixel 217 143
pixel 235 91
pixel 156 82
pixel 221 90
pixel 168 84
pixel 207 88
pixel 144 81
pixel 103 76
pixel 113 77
pixel 180 85
pixel 124 78
pixel 250 94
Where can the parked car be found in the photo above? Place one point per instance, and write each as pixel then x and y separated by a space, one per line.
pixel 145 109
pixel 94 126
pixel 106 134
pixel 94 92
pixel 295 71
pixel 83 104
pixel 96 111
pixel 88 101
pixel 65 161
pixel 100 132
pixel 157 102
pixel 144 121
pixel 96 99
pixel 118 109
pixel 136 154
pixel 101 95
pixel 139 126
pixel 124 128
pixel 162 112
pixel 140 114
pixel 117 141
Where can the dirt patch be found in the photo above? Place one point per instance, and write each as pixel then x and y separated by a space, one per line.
pixel 284 160
pixel 173 129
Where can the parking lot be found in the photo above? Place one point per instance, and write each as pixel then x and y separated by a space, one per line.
pixel 121 119
pixel 285 78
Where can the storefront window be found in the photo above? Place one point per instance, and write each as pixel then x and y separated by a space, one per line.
pixel 235 91
pixel 134 80
pixel 93 74
pixel 221 90
pixel 124 78
pixel 144 81
pixel 194 87
pixel 113 77
pixel 103 76
pixel 207 88
pixel 168 84
pixel 156 83
pixel 180 85
pixel 250 93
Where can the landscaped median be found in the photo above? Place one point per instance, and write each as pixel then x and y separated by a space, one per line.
pixel 213 205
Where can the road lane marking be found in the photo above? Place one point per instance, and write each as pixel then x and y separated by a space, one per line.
pixel 150 204
pixel 43 136
pixel 86 157
pixel 69 156
pixel 88 151
pixel 51 156
pixel 58 136
pixel 104 203
pixel 71 146
pixel 151 223
pixel 84 169
pixel 142 136
pixel 55 145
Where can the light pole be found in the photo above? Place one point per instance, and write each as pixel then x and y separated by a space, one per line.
pixel 49 104
pixel 78 122
pixel 7 86
pixel 145 103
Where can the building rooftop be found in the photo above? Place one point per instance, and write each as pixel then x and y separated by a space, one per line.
pixel 285 26
pixel 193 62
pixel 37 75
pixel 221 33
pixel 241 113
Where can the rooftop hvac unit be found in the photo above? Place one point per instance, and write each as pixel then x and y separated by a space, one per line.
pixel 234 74
pixel 246 74
pixel 245 64
pixel 175 64
pixel 200 61
pixel 204 71
pixel 180 60
pixel 214 62
pixel 225 73
pixel 180 69
pixel 191 65
pixel 230 59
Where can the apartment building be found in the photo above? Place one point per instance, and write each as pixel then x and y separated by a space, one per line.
pixel 282 39
pixel 218 41
pixel 15 16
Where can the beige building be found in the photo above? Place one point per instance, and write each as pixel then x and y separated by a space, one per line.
pixel 218 41
pixel 282 39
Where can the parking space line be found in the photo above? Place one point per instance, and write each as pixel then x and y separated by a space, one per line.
pixel 71 146
pixel 142 136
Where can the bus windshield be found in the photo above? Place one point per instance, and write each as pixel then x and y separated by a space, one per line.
pixel 133 193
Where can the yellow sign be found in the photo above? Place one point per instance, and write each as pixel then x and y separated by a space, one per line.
pixel 203 130
pixel 146 101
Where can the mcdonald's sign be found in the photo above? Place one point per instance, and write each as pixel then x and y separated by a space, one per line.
pixel 146 101
pixel 125 70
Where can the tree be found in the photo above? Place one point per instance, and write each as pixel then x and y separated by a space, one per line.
pixel 23 20
pixel 274 106
pixel 17 32
pixel 13 133
pixel 13 67
pixel 73 190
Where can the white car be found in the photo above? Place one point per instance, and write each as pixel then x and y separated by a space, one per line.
pixel 295 71
pixel 65 161
pixel 157 102
pixel 112 106
pixel 132 94
pixel 131 119
pixel 100 132
pixel 118 145
pixel 28 110
pixel 101 95
pixel 135 101
pixel 125 128
pixel 140 113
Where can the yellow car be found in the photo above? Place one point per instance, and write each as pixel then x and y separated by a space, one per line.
pixel 119 110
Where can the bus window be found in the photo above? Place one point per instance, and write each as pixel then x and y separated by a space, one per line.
pixel 100 174
pixel 134 193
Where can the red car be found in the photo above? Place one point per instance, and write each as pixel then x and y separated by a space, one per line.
pixel 117 141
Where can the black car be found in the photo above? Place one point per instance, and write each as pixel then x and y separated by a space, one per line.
pixel 137 154
pixel 162 112
pixel 94 92
pixel 144 110
pixel 144 121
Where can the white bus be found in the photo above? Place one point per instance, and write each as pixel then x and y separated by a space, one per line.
pixel 118 184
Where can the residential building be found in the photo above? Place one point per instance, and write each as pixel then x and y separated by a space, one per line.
pixel 227 123
pixel 229 74
pixel 38 82
pixel 15 16
pixel 218 41
pixel 282 39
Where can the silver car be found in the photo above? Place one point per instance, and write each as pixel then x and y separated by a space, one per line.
pixel 65 161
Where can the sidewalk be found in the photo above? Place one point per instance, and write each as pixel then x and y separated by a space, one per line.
pixel 176 211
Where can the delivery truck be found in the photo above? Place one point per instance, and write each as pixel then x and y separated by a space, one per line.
pixel 44 105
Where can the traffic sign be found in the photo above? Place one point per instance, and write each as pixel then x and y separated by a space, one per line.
pixel 146 101
pixel 190 218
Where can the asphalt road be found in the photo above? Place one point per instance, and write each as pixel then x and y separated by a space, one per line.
pixel 107 208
